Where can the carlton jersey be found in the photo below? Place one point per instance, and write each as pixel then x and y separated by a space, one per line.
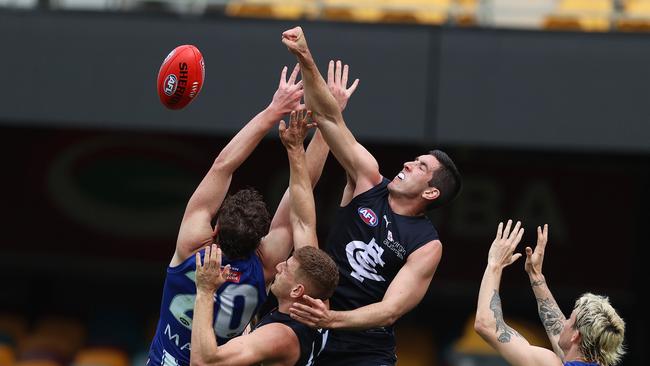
pixel 370 244
pixel 312 341
pixel 579 363
pixel 236 301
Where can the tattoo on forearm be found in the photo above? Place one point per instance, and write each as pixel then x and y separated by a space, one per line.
pixel 537 283
pixel 505 331
pixel 550 316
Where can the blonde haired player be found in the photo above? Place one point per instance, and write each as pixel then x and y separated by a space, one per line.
pixel 592 336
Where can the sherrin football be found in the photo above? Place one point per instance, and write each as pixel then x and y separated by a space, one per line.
pixel 181 76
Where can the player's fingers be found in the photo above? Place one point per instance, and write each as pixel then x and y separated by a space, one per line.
pixel 206 257
pixel 506 231
pixel 520 234
pixel 515 231
pixel 529 252
pixel 299 85
pixel 330 73
pixel 337 72
pixel 198 260
pixel 514 257
pixel 283 76
pixel 353 87
pixel 215 258
pixel 499 231
pixel 282 126
pixel 344 77
pixel 310 300
pixel 305 321
pixel 294 74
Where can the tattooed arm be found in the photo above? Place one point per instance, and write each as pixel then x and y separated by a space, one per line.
pixel 549 312
pixel 489 323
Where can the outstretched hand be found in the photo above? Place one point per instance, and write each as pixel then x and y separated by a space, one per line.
pixel 314 313
pixel 535 259
pixel 337 81
pixel 209 275
pixel 295 41
pixel 504 244
pixel 287 97
pixel 294 134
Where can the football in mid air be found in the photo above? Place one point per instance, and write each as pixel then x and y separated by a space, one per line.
pixel 181 76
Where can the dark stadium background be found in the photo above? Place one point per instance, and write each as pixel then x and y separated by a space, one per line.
pixel 546 127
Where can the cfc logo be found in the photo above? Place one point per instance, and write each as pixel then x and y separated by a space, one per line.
pixel 368 216
pixel 364 258
pixel 170 84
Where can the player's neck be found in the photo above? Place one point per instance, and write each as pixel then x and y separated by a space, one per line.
pixel 284 305
pixel 405 206
pixel 573 354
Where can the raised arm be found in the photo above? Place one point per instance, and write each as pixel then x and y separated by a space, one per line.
pixel 196 228
pixel 355 159
pixel 405 291
pixel 549 312
pixel 277 245
pixel 489 322
pixel 303 209
pixel 271 342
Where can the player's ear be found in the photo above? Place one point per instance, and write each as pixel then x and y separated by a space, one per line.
pixel 297 291
pixel 431 193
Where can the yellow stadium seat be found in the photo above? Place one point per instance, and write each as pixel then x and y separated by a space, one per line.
pixel 101 357
pixel 588 15
pixel 416 11
pixel 7 355
pixel 636 16
pixel 368 11
pixel 280 9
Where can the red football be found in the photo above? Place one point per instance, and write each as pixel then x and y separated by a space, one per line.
pixel 180 77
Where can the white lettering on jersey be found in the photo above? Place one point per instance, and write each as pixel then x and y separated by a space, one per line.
pixel 363 259
pixel 168 360
pixel 174 337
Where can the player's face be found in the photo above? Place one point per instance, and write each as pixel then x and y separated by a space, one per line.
pixel 415 176
pixel 568 332
pixel 285 278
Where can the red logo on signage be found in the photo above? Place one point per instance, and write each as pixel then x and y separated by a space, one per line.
pixel 368 216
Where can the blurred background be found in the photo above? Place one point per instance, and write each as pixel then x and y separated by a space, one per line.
pixel 542 104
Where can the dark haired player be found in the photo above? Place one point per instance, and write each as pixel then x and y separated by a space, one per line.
pixel 387 251
pixel 277 339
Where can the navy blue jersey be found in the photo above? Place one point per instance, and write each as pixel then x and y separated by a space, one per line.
pixel 236 301
pixel 370 244
pixel 579 363
pixel 312 341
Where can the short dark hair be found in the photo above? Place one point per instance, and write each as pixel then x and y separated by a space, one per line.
pixel 318 268
pixel 243 220
pixel 446 178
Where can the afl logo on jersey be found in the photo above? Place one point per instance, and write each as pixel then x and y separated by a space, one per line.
pixel 368 216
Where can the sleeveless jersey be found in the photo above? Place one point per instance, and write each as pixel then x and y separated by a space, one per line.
pixel 312 341
pixel 370 244
pixel 236 301
pixel 579 363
